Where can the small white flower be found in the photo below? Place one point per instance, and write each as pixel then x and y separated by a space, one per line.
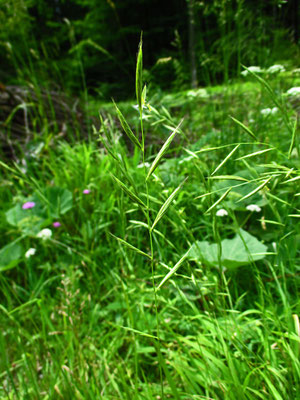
pixel 275 68
pixel 294 91
pixel 30 252
pixel 221 213
pixel 266 111
pixel 44 234
pixel 274 110
pixel 255 69
pixel 142 165
pixel 253 208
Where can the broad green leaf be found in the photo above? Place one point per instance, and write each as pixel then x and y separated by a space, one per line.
pixel 29 221
pixel 241 250
pixel 10 255
pixel 60 201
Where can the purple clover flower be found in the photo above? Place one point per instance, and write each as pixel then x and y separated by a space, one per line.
pixel 56 224
pixel 86 191
pixel 28 205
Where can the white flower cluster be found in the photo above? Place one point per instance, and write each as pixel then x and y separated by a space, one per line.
pixel 274 69
pixel 294 91
pixel 30 252
pixel 44 234
pixel 221 213
pixel 253 208
pixel 269 111
pixel 255 69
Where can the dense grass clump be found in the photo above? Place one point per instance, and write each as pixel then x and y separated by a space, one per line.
pixel 160 259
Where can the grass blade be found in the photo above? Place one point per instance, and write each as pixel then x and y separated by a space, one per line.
pixel 226 158
pixel 132 196
pixel 173 270
pixel 218 201
pixel 166 205
pixel 162 151
pixel 130 246
pixel 246 129
pixel 138 76
pixel 293 139
pixel 255 154
pixel 256 190
pixel 126 128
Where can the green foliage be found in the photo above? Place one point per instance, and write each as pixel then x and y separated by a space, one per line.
pixel 243 249
pixel 128 297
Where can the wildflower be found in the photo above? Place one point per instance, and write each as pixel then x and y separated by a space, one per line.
pixel 142 165
pixel 28 205
pixel 253 208
pixel 30 252
pixel 275 68
pixel 56 224
pixel 45 234
pixel 294 91
pixel 221 213
pixel 256 70
pixel 86 191
pixel 266 111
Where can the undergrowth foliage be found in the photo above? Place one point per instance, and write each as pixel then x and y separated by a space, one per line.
pixel 129 274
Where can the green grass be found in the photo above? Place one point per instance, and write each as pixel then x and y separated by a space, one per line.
pixel 123 301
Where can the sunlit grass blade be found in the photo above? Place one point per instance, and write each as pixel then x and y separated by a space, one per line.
pixel 138 75
pixel 246 129
pixel 225 159
pixel 132 196
pixel 130 246
pixel 173 270
pixel 162 151
pixel 127 129
pixel 256 153
pixel 166 205
pixel 229 177
pixel 218 201
pixel 293 139
pixel 256 190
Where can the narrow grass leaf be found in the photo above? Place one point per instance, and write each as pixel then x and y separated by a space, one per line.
pixel 166 205
pixel 226 159
pixel 162 151
pixel 173 270
pixel 132 196
pixel 257 153
pixel 293 139
pixel 130 246
pixel 218 201
pixel 229 177
pixel 126 128
pixel 246 129
pixel 138 75
pixel 256 190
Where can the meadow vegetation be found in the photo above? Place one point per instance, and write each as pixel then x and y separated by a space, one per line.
pixel 157 258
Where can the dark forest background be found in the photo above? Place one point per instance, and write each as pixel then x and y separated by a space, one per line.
pixel 91 45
